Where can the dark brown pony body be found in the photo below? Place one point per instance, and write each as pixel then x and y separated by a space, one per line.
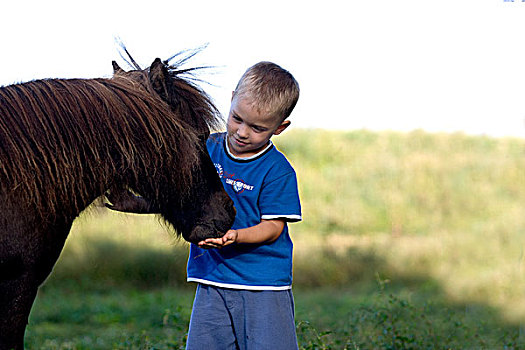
pixel 63 143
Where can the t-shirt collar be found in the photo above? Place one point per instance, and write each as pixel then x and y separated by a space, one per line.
pixel 244 159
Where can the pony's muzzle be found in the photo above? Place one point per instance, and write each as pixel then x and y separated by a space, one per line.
pixel 214 228
pixel 203 231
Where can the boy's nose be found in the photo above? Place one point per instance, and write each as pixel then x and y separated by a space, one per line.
pixel 242 131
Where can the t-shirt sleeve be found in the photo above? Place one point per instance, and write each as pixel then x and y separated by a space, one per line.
pixel 279 199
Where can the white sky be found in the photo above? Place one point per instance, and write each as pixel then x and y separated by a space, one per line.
pixel 440 65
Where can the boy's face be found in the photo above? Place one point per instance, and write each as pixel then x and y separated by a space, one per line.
pixel 249 130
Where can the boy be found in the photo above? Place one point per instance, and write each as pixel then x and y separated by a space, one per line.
pixel 243 298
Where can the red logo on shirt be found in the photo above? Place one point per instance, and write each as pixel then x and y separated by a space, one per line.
pixel 238 185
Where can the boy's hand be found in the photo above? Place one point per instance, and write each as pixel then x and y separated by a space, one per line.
pixel 228 238
pixel 267 231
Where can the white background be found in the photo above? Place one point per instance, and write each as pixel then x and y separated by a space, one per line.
pixel 441 65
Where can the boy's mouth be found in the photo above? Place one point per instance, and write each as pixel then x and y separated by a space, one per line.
pixel 239 142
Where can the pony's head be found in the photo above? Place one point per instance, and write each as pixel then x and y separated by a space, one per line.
pixel 196 204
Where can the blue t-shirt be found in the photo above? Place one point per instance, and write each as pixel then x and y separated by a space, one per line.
pixel 262 187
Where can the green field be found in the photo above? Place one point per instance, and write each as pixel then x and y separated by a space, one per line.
pixel 409 241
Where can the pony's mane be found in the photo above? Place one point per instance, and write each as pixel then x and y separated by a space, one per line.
pixel 66 141
pixel 185 81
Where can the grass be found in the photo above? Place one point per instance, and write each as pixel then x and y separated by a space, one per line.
pixel 410 241
pixel 327 318
pixel 110 319
pixel 449 206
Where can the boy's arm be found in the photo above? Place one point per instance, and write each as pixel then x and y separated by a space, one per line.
pixel 265 232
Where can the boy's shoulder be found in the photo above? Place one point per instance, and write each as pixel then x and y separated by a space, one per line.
pixel 277 166
pixel 216 137
pixel 280 160
pixel 271 158
pixel 215 142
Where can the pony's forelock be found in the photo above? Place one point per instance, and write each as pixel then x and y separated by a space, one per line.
pixel 189 78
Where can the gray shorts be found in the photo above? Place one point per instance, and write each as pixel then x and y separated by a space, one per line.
pixel 225 319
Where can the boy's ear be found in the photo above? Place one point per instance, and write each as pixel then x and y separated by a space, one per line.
pixel 282 127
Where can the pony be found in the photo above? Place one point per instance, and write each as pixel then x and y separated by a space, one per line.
pixel 66 142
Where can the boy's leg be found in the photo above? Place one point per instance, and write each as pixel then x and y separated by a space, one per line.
pixel 210 324
pixel 263 319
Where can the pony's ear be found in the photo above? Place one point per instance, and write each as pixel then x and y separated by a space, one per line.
pixel 116 68
pixel 159 76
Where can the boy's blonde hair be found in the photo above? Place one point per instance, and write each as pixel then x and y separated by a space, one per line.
pixel 270 89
